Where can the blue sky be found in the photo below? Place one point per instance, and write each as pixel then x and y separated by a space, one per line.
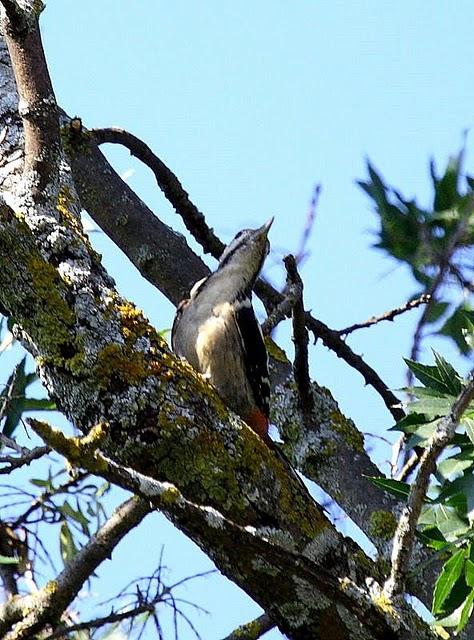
pixel 251 104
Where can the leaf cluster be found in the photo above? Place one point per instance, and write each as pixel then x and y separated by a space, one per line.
pixel 446 521
pixel 436 243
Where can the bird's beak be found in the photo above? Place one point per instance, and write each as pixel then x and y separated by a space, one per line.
pixel 265 228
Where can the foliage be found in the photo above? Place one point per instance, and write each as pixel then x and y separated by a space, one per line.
pixel 446 520
pixel 14 401
pixel 435 243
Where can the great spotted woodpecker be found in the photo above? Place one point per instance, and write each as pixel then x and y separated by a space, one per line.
pixel 217 332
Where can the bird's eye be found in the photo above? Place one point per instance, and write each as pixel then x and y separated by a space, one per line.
pixel 237 235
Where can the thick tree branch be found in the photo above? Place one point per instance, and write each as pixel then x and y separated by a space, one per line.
pixel 37 106
pixel 202 523
pixel 49 603
pixel 405 534
pixel 161 255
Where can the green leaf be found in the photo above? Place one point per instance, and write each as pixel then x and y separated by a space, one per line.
pixel 448 577
pixel 456 326
pixel 421 435
pixel 66 543
pixel 450 523
pixel 37 482
pixel 409 423
pixel 436 310
pixel 468 423
pixel 446 188
pixel 433 407
pixel 432 538
pixel 395 487
pixel 12 397
pixel 8 560
pixel 428 515
pixel 454 466
pixel 428 375
pixel 76 515
pixel 451 620
pixel 466 610
pixel 464 486
pixel 449 375
pixel 13 401
pixel 38 404
pixel 469 572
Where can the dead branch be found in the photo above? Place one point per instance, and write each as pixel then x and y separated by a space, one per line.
pixel 300 338
pixel 388 315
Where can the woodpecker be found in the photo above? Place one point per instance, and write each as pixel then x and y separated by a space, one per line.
pixel 216 330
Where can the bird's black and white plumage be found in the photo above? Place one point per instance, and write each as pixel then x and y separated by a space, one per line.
pixel 217 332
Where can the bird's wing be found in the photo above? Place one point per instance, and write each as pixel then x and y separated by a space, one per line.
pixel 255 355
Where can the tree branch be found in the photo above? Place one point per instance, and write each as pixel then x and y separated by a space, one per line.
pixel 26 457
pixel 282 310
pixel 169 184
pixel 334 342
pixel 388 315
pixel 38 108
pixel 405 533
pixel 17 17
pixel 49 602
pixel 300 338
pixel 270 556
pixel 252 630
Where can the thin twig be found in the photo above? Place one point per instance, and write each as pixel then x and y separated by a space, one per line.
pixel 113 617
pixel 47 604
pixel 388 315
pixel 408 467
pixel 27 456
pixel 41 500
pixel 405 533
pixel 310 219
pixel 334 342
pixel 300 337
pixel 457 273
pixel 252 630
pixel 283 310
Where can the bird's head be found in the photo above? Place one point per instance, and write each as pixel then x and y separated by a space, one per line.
pixel 246 253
